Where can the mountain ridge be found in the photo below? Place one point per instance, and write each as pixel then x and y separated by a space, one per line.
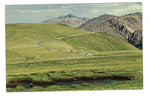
pixel 119 26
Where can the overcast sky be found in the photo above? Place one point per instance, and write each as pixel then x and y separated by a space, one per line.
pixel 39 13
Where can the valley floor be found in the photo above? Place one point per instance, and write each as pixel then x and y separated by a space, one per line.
pixel 106 65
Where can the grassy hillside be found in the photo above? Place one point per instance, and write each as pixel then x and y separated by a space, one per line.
pixel 59 58
pixel 98 42
pixel 21 41
pixel 93 42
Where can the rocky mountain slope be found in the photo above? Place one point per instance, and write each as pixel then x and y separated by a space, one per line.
pixel 136 39
pixel 128 27
pixel 93 23
pixel 70 20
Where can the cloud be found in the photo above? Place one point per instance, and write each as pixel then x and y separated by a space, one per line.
pixel 38 13
pixel 125 9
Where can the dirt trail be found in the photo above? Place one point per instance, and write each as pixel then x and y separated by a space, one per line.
pixel 59 38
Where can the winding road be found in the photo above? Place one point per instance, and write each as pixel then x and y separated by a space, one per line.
pixel 59 38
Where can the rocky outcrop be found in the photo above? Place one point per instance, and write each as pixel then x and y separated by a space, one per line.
pixel 124 26
pixel 136 39
pixel 70 20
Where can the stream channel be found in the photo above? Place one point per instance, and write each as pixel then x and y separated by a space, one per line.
pixel 27 86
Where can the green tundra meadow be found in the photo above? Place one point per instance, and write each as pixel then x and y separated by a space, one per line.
pixel 42 55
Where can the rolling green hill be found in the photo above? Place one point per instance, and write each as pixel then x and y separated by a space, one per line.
pixel 21 42
pixel 37 53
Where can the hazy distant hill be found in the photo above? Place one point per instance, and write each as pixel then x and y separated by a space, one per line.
pixel 125 27
pixel 70 20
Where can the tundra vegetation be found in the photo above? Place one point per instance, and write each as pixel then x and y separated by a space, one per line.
pixel 66 55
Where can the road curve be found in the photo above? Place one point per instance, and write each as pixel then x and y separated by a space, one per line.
pixel 59 38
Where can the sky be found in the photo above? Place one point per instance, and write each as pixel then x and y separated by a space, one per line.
pixel 38 13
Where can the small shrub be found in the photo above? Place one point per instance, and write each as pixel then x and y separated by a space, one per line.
pixel 20 88
pixel 26 79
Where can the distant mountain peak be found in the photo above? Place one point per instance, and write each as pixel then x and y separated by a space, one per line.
pixel 69 16
pixel 105 15
pixel 69 19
